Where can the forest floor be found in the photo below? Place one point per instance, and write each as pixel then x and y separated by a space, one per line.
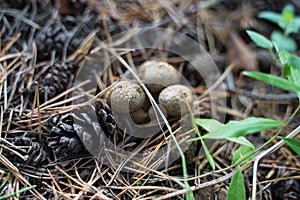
pixel 51 52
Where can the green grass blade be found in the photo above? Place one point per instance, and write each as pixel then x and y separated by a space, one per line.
pixel 273 80
pixel 5 180
pixel 18 192
pixel 206 151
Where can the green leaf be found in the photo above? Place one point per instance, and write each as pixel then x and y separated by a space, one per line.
pixel 282 54
pixel 271 16
pixel 286 20
pixel 241 153
pixel 286 70
pixel 284 41
pixel 296 22
pixel 295 62
pixel 284 59
pixel 211 125
pixel 295 72
pixel 242 140
pixel 244 127
pixel 260 40
pixel 288 13
pixel 273 80
pixel 237 189
pixel 208 124
pixel 292 27
pixel 293 144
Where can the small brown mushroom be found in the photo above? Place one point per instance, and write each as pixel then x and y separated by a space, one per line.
pixel 126 97
pixel 140 116
pixel 174 99
pixel 157 75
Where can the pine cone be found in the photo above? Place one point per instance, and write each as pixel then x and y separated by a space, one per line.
pixel 54 81
pixel 105 117
pixel 68 131
pixel 52 37
pixel 88 129
pixel 63 139
pixel 109 125
pixel 95 131
pixel 33 150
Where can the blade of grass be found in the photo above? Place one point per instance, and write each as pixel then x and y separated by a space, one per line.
pixel 17 192
pixel 273 80
pixel 207 153
pixel 5 180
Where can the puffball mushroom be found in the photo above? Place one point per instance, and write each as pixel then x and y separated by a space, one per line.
pixel 174 99
pixel 157 75
pixel 127 96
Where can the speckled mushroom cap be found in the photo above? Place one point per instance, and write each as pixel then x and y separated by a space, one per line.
pixel 173 100
pixel 127 96
pixel 157 75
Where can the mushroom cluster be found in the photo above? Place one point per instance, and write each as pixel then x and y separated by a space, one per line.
pixel 162 80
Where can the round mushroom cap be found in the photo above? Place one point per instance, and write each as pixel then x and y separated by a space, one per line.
pixel 174 99
pixel 157 75
pixel 140 116
pixel 127 96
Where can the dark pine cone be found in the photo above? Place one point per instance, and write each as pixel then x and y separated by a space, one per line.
pixel 34 152
pixel 109 125
pixel 54 80
pixel 105 118
pixel 96 126
pixel 83 124
pixel 86 127
pixel 52 37
pixel 63 139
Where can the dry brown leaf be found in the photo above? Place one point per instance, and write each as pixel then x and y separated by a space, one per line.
pixel 239 54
